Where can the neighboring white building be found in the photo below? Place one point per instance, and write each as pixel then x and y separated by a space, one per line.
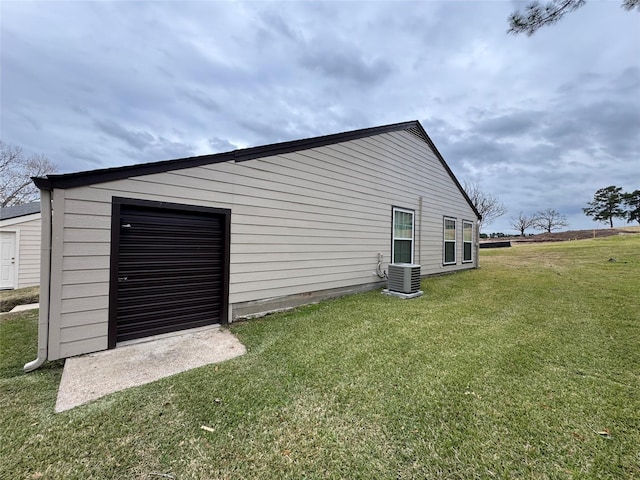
pixel 20 246
pixel 147 249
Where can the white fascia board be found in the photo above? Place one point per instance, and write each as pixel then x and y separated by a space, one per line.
pixel 14 221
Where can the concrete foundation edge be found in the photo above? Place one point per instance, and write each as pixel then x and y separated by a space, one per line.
pixel 259 308
pixel 391 293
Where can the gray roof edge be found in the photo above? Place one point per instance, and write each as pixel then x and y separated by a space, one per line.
pixel 16 211
pixel 79 179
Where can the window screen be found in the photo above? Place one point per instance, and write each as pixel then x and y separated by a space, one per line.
pixel 467 241
pixel 402 236
pixel 449 241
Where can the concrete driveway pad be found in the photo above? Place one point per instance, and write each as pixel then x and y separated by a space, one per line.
pixel 89 377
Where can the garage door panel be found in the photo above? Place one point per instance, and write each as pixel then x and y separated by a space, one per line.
pixel 159 243
pixel 170 270
pixel 169 251
pixel 136 318
pixel 139 285
pixel 150 258
pixel 150 282
pixel 154 327
pixel 138 300
pixel 171 265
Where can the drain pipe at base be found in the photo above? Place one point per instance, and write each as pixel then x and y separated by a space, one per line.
pixel 45 282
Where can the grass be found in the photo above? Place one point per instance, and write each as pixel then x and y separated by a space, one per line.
pixel 508 371
pixel 20 296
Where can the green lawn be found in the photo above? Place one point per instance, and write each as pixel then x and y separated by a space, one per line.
pixel 526 368
pixel 21 296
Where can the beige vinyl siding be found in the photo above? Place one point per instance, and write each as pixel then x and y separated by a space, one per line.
pixel 29 267
pixel 27 252
pixel 301 222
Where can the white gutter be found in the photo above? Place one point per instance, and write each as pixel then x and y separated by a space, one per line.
pixel 45 281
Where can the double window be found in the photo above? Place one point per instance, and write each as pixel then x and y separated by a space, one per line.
pixel 449 241
pixel 467 242
pixel 403 227
pixel 403 237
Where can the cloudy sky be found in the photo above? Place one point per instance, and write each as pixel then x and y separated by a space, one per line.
pixel 541 122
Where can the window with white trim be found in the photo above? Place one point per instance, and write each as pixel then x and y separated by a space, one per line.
pixel 467 242
pixel 449 241
pixel 402 243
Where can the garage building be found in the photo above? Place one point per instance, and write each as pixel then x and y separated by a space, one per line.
pixel 147 249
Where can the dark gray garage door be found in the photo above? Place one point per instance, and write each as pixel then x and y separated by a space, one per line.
pixel 170 271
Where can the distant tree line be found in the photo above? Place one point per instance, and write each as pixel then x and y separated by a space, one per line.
pixel 497 235
pixel 611 202
pixel 608 203
pixel 490 208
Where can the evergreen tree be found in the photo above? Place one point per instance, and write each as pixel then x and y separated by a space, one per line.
pixel 632 201
pixel 537 14
pixel 606 205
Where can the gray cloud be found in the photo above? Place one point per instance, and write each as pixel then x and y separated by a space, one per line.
pixel 219 145
pixel 84 158
pixel 343 65
pixel 138 140
pixel 510 125
pixel 541 121
pixel 274 25
pixel 201 99
pixel 160 149
pixel 628 83
pixel 141 145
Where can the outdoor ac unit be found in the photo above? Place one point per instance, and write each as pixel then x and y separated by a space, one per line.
pixel 404 278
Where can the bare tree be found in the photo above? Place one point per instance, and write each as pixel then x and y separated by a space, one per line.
pixel 549 220
pixel 537 15
pixel 487 205
pixel 16 170
pixel 522 222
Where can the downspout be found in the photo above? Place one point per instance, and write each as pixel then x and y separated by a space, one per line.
pixel 45 282
pixel 477 238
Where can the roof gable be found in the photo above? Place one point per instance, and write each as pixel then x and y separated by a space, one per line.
pixel 118 173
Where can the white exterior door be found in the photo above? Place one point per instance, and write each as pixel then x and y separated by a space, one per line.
pixel 7 260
